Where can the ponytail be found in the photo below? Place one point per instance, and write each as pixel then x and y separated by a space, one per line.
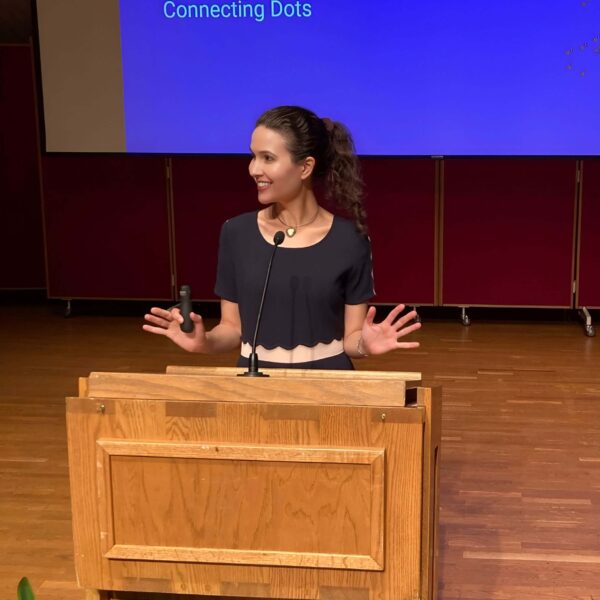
pixel 344 183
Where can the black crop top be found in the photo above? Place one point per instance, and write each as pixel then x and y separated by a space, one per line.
pixel 308 287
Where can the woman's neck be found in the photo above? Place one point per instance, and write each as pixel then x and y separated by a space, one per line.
pixel 297 211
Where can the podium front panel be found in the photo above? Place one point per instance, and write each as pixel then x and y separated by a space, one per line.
pixel 247 499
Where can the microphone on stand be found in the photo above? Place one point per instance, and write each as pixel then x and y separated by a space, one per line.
pixel 253 358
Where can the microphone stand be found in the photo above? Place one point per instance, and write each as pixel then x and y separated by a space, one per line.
pixel 253 358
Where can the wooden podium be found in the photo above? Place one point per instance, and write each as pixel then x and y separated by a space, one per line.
pixel 306 484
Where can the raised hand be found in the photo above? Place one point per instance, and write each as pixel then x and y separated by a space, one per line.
pixel 379 338
pixel 167 323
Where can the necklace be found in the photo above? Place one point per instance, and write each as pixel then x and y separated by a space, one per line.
pixel 291 231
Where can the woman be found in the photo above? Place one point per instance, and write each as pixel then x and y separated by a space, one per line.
pixel 315 313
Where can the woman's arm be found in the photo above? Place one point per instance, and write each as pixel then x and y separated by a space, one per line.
pixel 363 337
pixel 227 334
pixel 222 338
pixel 354 317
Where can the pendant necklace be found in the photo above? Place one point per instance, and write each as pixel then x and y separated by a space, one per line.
pixel 291 231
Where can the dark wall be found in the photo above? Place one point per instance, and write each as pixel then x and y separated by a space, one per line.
pixel 15 21
pixel 21 233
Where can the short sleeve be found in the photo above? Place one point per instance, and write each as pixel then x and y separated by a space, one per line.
pixel 225 286
pixel 359 284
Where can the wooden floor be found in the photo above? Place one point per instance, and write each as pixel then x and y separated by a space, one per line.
pixel 520 483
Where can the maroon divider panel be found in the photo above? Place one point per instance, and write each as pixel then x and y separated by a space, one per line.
pixel 589 253
pixel 107 229
pixel 206 192
pixel 21 237
pixel 508 232
pixel 401 218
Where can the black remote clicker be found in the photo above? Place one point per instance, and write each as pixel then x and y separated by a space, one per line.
pixel 185 306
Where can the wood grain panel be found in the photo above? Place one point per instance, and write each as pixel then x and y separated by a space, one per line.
pixel 286 506
pixel 239 452
pixel 300 494
pixel 431 400
pixel 182 554
pixel 367 391
pixel 412 377
pixel 403 443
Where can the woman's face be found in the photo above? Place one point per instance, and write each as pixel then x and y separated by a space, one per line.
pixel 277 176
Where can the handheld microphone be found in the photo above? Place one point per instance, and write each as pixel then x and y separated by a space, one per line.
pixel 253 358
pixel 185 306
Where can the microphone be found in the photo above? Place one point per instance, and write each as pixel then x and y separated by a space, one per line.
pixel 185 306
pixel 253 358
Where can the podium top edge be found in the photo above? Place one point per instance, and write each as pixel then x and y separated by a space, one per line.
pixel 355 388
pixel 412 376
pixel 296 374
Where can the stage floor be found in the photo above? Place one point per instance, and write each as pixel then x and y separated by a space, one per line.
pixel 520 470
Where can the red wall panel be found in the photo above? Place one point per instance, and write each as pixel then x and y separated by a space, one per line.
pixel 21 238
pixel 206 192
pixel 508 232
pixel 401 220
pixel 107 229
pixel 589 253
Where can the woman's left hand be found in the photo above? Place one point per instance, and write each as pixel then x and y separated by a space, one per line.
pixel 379 338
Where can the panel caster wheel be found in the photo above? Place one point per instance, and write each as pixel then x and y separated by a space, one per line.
pixel 464 317
pixel 585 315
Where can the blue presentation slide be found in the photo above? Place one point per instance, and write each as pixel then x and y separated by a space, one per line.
pixel 411 78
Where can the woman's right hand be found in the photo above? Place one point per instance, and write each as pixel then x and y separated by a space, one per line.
pixel 167 322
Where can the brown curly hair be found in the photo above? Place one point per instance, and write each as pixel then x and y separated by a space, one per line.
pixel 331 145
